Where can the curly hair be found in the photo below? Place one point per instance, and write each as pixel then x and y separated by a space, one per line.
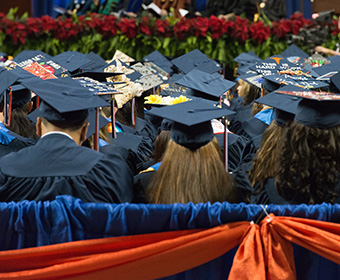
pixel 265 163
pixel 310 164
pixel 196 176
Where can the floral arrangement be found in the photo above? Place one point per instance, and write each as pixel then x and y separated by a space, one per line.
pixel 218 38
pixel 165 100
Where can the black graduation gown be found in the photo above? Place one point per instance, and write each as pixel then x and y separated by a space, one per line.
pixel 239 148
pixel 16 143
pixel 56 165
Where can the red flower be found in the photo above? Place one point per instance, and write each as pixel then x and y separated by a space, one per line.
pixel 128 27
pixel 145 26
pixel 201 25
pixel 48 23
pixel 181 28
pixel 218 27
pixel 241 30
pixel 281 28
pixel 162 27
pixel 259 32
pixel 335 27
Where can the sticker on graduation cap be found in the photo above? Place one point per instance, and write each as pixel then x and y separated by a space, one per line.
pixel 95 86
pixel 160 60
pixel 314 95
pixel 272 65
pixel 288 80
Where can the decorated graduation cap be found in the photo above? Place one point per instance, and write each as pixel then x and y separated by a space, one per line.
pixel 284 105
pixel 71 60
pixel 316 109
pixel 299 81
pixel 192 127
pixel 27 54
pixel 212 85
pixel 64 100
pixel 96 75
pixel 271 65
pixel 160 60
pixel 196 59
pixel 332 67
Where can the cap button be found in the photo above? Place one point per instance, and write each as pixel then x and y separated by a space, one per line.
pixel 295 98
pixel 191 111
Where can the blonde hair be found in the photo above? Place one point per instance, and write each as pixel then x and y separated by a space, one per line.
pixel 186 175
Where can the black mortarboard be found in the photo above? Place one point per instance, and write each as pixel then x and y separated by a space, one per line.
pixel 245 58
pixel 317 109
pixel 160 60
pixel 64 99
pixel 209 84
pixel 327 68
pixel 91 119
pixel 192 127
pixel 284 105
pixel 21 96
pixel 294 51
pixel 96 62
pixel 335 82
pixel 98 76
pixel 196 59
pixel 27 54
pixel 71 60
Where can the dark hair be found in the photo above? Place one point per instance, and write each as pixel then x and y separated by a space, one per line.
pixel 20 125
pixel 70 125
pixel 310 164
pixel 196 176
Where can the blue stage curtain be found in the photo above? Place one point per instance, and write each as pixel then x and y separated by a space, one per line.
pixel 41 8
pixel 294 5
pixel 30 224
pixel 61 3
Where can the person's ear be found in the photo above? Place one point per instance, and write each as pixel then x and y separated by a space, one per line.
pixel 29 108
pixel 38 127
pixel 83 132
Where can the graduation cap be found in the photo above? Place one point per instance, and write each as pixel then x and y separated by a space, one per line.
pixel 160 60
pixel 27 54
pixel 245 58
pixel 192 127
pixel 123 57
pixel 284 105
pixel 335 82
pixel 272 64
pixel 98 76
pixel 334 66
pixel 196 59
pixel 121 68
pixel 91 119
pixel 21 96
pixel 96 62
pixel 212 85
pixel 303 82
pixel 252 78
pixel 294 51
pixel 317 109
pixel 71 60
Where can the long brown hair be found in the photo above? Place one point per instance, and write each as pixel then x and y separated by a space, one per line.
pixel 265 163
pixel 186 175
pixel 310 164
pixel 248 91
pixel 161 143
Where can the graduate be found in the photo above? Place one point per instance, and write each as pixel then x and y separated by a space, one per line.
pixel 57 164
pixel 191 168
pixel 309 153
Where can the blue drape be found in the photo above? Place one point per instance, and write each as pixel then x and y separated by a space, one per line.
pixel 29 224
pixel 41 8
pixel 294 5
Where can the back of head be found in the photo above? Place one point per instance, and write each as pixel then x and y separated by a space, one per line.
pixel 310 164
pixel 191 175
